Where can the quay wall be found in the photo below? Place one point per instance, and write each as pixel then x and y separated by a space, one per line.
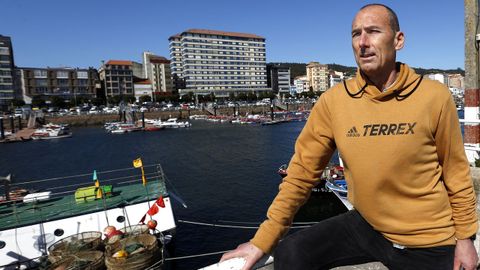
pixel 100 119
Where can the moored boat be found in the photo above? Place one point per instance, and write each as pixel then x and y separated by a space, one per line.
pixel 51 131
pixel 340 189
pixel 121 201
pixel 282 170
pixel 174 123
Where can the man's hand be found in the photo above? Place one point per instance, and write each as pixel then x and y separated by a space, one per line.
pixel 248 251
pixel 465 255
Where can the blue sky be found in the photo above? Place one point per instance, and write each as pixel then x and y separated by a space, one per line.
pixel 81 33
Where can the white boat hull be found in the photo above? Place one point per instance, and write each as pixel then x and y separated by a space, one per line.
pixel 23 244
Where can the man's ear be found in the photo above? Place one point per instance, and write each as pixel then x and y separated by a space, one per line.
pixel 399 40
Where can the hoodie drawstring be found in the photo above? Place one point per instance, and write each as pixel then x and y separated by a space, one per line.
pixel 398 97
pixel 356 95
pixel 402 97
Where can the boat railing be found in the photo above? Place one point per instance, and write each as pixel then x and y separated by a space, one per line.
pixel 153 173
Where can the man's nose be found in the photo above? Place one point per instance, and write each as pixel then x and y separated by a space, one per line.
pixel 363 40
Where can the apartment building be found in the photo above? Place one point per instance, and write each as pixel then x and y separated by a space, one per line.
pixel 158 72
pixel 317 76
pixel 301 84
pixel 7 73
pixel 456 81
pixel 67 83
pixel 278 78
pixel 117 77
pixel 176 62
pixel 211 61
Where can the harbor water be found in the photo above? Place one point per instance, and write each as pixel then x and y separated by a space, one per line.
pixel 225 173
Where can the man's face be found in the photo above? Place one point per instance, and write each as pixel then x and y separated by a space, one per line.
pixel 374 42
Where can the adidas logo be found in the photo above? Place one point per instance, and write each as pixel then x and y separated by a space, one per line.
pixel 353 132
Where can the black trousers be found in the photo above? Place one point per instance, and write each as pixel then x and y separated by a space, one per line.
pixel 348 239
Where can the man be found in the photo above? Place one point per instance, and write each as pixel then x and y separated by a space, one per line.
pixel 407 174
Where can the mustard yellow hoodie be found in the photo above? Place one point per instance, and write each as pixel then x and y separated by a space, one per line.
pixel 404 160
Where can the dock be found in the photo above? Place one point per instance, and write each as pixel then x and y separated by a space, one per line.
pixel 24 134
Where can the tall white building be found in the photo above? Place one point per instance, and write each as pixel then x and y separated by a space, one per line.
pixel 317 75
pixel 7 82
pixel 207 61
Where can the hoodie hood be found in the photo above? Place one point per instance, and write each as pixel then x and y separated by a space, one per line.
pixel 405 84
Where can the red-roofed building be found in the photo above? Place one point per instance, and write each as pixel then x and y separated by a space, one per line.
pixel 117 78
pixel 219 62
pixel 157 70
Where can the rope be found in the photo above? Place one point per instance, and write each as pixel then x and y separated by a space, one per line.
pixel 232 226
pixel 195 256
pixel 258 223
pixel 81 175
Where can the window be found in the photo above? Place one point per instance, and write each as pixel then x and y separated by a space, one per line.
pixel 5 73
pixel 4 51
pixel 82 74
pixel 5 80
pixel 82 82
pixel 62 74
pixel 41 82
pixel 40 73
pixel 62 82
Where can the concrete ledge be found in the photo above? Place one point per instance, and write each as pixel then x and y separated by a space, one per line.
pixel 367 266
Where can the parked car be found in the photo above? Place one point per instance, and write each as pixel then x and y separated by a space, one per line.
pixel 18 112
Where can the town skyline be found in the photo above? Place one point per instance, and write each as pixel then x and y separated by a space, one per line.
pixel 82 34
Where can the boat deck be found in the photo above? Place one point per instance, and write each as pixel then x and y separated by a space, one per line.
pixel 63 204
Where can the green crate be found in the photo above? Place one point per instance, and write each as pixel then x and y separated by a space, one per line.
pixel 107 190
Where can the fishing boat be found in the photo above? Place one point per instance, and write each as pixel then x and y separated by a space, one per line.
pixel 119 198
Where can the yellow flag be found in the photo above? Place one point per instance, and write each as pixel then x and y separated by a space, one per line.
pixel 137 163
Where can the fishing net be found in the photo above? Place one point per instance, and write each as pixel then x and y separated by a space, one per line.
pixel 83 260
pixel 135 229
pixel 86 241
pixel 127 232
pixel 141 251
